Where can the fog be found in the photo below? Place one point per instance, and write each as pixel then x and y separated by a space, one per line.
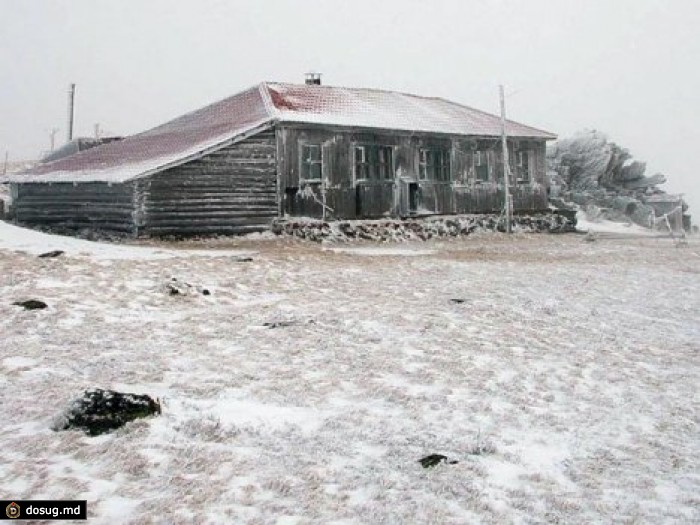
pixel 628 68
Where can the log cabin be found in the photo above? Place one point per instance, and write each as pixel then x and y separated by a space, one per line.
pixel 281 150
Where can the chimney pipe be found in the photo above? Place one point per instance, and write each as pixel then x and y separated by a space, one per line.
pixel 71 111
pixel 313 79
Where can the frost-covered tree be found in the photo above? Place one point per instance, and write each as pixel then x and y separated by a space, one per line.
pixel 597 174
pixel 589 160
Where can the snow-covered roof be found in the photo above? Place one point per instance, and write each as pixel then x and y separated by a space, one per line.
pixel 374 108
pixel 235 118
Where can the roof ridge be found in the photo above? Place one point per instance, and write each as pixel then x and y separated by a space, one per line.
pixel 377 90
pixel 197 110
pixel 264 90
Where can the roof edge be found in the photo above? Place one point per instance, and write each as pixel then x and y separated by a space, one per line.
pixel 243 134
pixel 103 175
pixel 552 136
pixel 302 123
pixel 376 90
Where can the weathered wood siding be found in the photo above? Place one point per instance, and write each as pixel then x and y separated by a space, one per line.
pixel 348 198
pixel 244 186
pixel 233 190
pixel 94 205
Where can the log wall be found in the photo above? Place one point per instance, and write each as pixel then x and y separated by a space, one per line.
pixel 233 190
pixel 244 186
pixel 94 205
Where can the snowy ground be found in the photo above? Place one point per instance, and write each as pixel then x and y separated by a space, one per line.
pixel 572 366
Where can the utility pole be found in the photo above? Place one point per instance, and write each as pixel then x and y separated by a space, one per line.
pixel 97 130
pixel 71 111
pixel 52 133
pixel 4 169
pixel 506 164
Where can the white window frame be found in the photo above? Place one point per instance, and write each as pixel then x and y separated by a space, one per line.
pixel 519 166
pixel 437 168
pixel 480 155
pixel 303 162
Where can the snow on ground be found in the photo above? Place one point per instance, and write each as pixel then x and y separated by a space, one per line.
pixel 35 242
pixel 565 383
pixel 604 226
pixel 382 251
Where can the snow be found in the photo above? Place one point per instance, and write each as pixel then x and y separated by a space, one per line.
pixel 34 242
pixel 573 365
pixel 374 108
pixel 605 226
pixel 17 362
pixel 382 251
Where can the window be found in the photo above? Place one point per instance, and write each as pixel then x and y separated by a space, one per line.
pixel 374 163
pixel 434 164
pixel 384 157
pixel 481 166
pixel 523 166
pixel 311 162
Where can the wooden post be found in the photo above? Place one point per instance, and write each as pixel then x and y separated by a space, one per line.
pixel 506 164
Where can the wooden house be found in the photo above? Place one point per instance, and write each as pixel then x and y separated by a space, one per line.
pixel 286 150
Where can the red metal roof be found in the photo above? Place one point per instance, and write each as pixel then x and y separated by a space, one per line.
pixel 374 108
pixel 231 119
pixel 167 145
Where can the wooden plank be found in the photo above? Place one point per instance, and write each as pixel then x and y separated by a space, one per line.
pixel 223 192
pixel 87 205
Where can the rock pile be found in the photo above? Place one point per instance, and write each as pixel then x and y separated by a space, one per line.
pixel 391 230
pixel 176 287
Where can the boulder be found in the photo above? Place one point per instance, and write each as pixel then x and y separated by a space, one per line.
pixel 31 304
pixel 99 411
pixel 435 459
pixel 52 254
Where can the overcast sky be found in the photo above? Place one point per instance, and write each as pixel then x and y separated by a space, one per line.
pixel 626 67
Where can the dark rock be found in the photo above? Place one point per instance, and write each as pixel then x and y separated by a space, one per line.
pixel 435 459
pixel 206 292
pixel 31 304
pixel 177 287
pixel 279 324
pixel 100 411
pixel 54 253
pixel 457 301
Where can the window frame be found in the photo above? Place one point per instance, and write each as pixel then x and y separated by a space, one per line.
pixel 375 163
pixel 306 164
pixel 435 164
pixel 478 156
pixel 523 171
